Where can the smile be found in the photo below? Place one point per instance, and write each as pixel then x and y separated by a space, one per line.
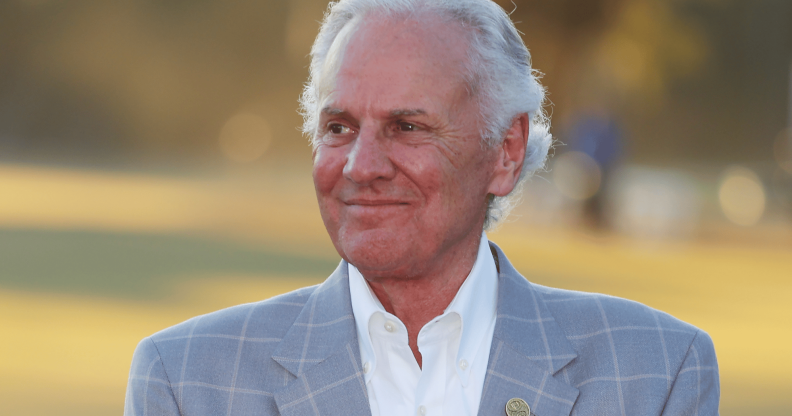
pixel 375 202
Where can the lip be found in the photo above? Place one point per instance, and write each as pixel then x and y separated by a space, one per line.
pixel 366 202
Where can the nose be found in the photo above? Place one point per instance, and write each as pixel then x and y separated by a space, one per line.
pixel 368 160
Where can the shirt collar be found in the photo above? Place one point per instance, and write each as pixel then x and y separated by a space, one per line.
pixel 364 305
pixel 475 303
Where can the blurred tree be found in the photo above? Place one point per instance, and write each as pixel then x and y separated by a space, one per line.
pixel 86 79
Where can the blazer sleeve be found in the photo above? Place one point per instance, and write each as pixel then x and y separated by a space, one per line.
pixel 149 391
pixel 696 388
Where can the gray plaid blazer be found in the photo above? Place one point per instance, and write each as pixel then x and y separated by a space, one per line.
pixel 563 352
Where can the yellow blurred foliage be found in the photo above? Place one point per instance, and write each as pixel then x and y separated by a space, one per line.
pixel 647 48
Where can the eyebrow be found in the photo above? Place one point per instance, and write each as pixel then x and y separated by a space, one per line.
pixel 400 112
pixel 407 112
pixel 332 111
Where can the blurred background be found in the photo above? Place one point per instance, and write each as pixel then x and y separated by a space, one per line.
pixel 151 169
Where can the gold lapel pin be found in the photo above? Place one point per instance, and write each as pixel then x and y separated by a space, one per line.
pixel 517 407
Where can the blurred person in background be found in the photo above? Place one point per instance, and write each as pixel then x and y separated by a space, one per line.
pixel 425 116
pixel 597 134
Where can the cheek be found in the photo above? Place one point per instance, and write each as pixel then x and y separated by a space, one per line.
pixel 422 167
pixel 328 167
pixel 435 177
pixel 462 188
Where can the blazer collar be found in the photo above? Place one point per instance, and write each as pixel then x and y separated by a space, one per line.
pixel 321 351
pixel 528 350
pixel 524 321
pixel 324 326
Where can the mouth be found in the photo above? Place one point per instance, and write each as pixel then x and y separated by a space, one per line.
pixel 379 202
pixel 375 212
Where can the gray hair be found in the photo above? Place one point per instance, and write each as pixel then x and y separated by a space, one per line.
pixel 498 72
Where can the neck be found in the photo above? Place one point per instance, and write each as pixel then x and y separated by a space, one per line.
pixel 418 300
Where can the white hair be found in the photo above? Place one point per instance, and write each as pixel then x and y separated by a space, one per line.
pixel 498 72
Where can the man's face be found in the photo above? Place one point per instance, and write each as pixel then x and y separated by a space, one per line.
pixel 400 173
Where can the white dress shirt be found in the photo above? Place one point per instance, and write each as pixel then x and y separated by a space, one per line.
pixel 454 347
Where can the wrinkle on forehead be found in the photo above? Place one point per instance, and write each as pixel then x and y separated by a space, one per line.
pixel 431 39
pixel 387 29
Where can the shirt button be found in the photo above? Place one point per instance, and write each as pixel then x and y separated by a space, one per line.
pixel 421 410
pixel 390 326
pixel 366 367
pixel 463 364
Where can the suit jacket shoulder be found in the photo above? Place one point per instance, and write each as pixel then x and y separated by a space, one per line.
pixel 594 318
pixel 621 357
pixel 198 366
pixel 644 343
pixel 271 317
pixel 634 356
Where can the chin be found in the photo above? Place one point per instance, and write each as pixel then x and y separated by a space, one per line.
pixel 377 250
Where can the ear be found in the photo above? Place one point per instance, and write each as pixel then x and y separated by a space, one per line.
pixel 510 157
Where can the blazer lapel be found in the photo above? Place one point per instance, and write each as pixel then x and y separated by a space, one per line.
pixel 321 350
pixel 528 351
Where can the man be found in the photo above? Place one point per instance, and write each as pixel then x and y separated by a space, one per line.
pixel 424 115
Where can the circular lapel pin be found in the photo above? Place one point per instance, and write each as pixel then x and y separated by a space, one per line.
pixel 517 407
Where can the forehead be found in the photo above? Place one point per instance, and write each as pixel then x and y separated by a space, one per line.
pixel 411 59
pixel 432 38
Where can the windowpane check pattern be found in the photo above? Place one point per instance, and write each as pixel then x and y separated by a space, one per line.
pixel 563 352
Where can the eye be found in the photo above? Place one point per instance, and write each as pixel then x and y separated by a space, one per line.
pixel 336 128
pixel 404 126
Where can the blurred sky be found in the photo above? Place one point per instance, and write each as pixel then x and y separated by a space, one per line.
pixel 152 168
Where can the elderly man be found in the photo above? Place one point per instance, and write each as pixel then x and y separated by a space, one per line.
pixel 424 116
